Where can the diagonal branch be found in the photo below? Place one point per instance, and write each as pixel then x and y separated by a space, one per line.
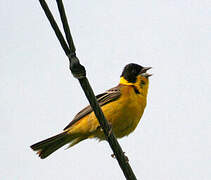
pixel 55 26
pixel 65 25
pixel 79 72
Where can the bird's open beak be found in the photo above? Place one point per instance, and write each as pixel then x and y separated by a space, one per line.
pixel 144 73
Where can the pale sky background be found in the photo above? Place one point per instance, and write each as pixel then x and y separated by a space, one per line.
pixel 39 96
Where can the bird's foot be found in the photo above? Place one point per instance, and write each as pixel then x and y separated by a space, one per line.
pixel 126 158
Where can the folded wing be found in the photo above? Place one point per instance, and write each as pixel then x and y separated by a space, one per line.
pixel 104 98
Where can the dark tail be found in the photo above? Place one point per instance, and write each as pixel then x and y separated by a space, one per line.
pixel 46 147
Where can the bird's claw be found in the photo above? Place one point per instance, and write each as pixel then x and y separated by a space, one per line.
pixel 126 158
pixel 113 156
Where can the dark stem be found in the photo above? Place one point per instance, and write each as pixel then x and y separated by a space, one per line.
pixel 79 72
pixel 65 25
pixel 119 154
pixel 55 27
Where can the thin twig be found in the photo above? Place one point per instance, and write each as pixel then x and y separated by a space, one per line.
pixel 65 25
pixel 117 150
pixel 55 27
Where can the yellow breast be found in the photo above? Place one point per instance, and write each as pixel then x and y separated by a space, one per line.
pixel 125 113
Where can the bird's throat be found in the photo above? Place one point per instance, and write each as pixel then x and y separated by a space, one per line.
pixel 124 81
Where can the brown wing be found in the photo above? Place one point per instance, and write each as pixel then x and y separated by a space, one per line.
pixel 104 98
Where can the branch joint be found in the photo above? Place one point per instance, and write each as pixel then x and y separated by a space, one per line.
pixel 76 68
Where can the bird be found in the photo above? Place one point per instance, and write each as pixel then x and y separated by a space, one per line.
pixel 123 107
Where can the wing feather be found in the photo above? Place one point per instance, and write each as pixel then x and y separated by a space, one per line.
pixel 104 98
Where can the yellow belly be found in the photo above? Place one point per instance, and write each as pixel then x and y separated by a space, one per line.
pixel 123 114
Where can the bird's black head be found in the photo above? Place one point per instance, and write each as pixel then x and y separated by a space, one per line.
pixel 131 71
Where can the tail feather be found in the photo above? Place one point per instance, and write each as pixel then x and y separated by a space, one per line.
pixel 46 147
